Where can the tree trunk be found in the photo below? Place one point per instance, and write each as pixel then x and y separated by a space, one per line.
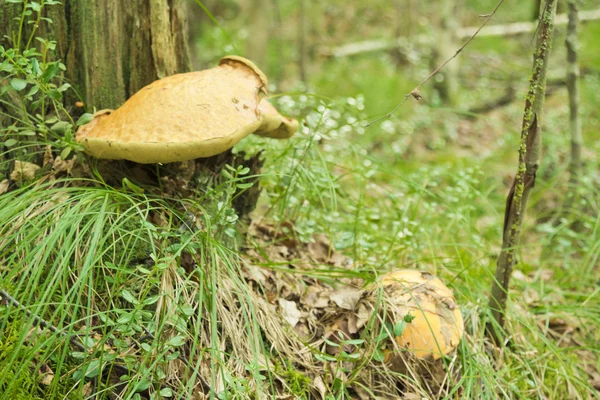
pixel 446 44
pixel 112 49
pixel 259 21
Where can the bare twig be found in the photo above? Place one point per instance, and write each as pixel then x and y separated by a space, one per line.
pixel 512 29
pixel 461 48
pixel 37 320
pixel 529 155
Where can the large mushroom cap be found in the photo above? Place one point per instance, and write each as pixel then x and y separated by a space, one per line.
pixel 437 325
pixel 187 116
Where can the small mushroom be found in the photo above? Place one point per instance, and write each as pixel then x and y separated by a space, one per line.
pixel 187 116
pixel 436 324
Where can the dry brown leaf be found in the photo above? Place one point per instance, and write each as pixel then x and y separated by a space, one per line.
pixel 347 298
pixel 320 386
pixel 320 250
pixel 47 374
pixel 531 297
pixel 316 297
pixel 290 311
pixel 359 319
pixel 87 389
pixel 3 186
pixel 60 166
pixel 544 275
pixel 48 157
pixel 520 276
pixel 23 171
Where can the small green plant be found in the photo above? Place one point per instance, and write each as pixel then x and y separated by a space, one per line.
pixel 33 89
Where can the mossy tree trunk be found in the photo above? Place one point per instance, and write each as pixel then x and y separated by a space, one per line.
pixel 112 49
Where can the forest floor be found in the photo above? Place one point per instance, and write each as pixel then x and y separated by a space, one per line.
pixel 168 298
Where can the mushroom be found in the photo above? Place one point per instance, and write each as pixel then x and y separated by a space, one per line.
pixel 187 116
pixel 435 325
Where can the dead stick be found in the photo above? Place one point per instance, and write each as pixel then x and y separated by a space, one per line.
pixel 415 91
pixel 529 157
pixel 37 320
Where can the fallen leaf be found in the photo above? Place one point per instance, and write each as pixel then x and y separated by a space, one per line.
pixel 290 311
pixel 60 166
pixel 347 298
pixel 531 297
pixel 320 386
pixel 48 157
pixel 520 276
pixel 4 186
pixel 87 389
pixel 23 171
pixel 543 275
pixel 316 297
pixel 255 273
pixel 47 374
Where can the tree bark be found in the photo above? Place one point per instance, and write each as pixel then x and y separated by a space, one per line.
pixel 446 43
pixel 259 21
pixel 111 49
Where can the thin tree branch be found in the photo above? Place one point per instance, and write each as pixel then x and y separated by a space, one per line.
pixel 529 156
pixel 415 91
pixel 37 320
pixel 512 29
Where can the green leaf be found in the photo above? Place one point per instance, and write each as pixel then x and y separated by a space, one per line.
pixel 378 355
pixel 64 87
pixel 6 67
pixel 50 72
pixel 166 392
pixel 150 300
pixel 144 270
pixel 84 119
pixel 126 294
pixel 399 328
pixel 125 319
pixel 142 385
pixel 18 84
pixel 93 369
pixel 10 142
pixel 34 89
pixel 54 94
pixel 127 184
pixel 60 127
pixel 65 153
pixel 187 310
pixel 176 341
pixel 35 6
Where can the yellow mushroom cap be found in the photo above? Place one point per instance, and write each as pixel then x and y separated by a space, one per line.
pixel 275 125
pixel 437 326
pixel 185 116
